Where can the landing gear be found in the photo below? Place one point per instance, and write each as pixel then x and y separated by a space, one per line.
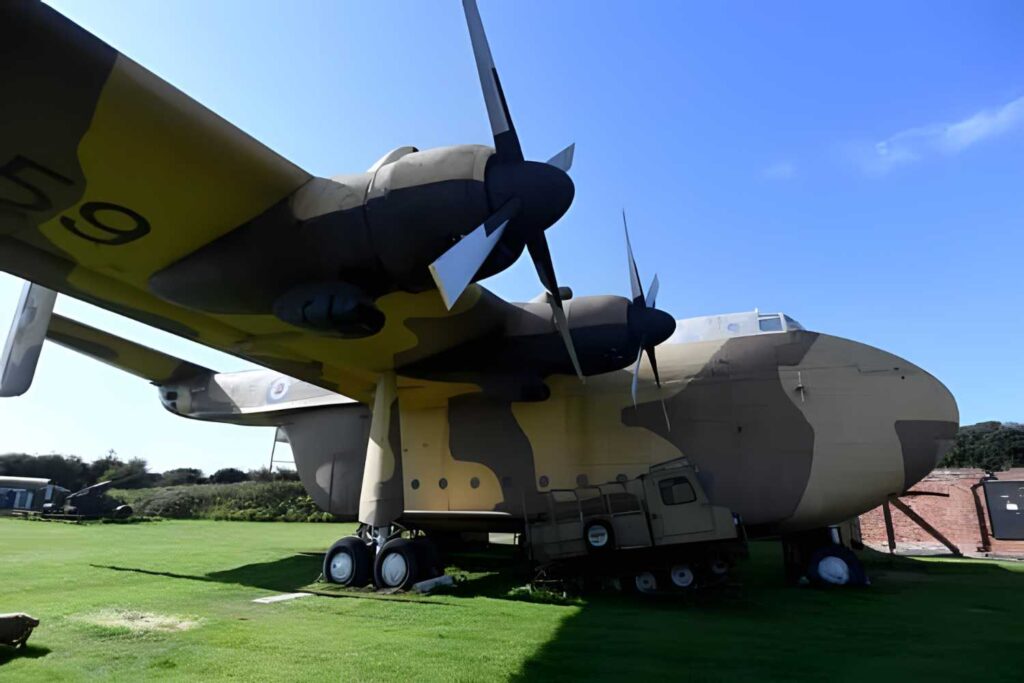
pixel 835 565
pixel 818 557
pixel 349 562
pixel 397 565
pixel 403 559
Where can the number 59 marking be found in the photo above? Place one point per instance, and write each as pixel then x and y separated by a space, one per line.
pixel 36 199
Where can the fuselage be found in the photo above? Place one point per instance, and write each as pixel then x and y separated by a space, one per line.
pixel 790 429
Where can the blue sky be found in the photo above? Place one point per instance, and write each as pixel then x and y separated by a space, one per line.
pixel 858 166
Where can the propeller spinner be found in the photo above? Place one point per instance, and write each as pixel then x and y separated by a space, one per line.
pixel 531 195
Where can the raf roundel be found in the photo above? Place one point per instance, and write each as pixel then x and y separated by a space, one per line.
pixel 278 389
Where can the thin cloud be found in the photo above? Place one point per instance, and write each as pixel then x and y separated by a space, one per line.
pixel 916 144
pixel 781 170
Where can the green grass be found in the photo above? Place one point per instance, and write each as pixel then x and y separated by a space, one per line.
pixel 921 620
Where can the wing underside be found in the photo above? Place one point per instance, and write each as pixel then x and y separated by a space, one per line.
pixel 108 175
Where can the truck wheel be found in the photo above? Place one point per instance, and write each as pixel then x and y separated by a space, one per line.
pixel 348 563
pixel 598 537
pixel 396 565
pixel 645 583
pixel 835 565
pixel 682 577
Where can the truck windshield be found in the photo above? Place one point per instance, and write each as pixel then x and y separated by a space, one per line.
pixel 676 491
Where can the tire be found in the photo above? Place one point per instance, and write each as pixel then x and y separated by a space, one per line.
pixel 642 583
pixel 598 537
pixel 682 577
pixel 397 565
pixel 348 563
pixel 835 565
pixel 123 512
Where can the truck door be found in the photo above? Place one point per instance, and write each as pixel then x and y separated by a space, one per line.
pixel 675 508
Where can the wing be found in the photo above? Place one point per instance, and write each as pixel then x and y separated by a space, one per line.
pixel 108 175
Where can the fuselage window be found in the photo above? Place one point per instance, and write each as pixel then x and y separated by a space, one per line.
pixel 676 491
pixel 770 323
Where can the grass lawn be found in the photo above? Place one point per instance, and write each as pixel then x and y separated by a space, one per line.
pixel 193 583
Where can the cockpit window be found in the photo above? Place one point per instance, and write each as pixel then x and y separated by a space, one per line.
pixel 792 324
pixel 770 323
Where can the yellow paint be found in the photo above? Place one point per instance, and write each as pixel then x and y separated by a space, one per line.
pixel 426 457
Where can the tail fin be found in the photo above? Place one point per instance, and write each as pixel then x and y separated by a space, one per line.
pixel 25 340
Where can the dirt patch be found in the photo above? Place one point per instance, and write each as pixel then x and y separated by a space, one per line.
pixel 139 622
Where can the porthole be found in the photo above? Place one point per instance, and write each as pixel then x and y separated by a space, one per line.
pixel 543 481
pixel 474 483
pixel 620 478
pixel 415 484
pixel 443 483
pixel 581 480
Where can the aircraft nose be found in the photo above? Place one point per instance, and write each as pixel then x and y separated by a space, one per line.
pixel 924 442
pixel 880 424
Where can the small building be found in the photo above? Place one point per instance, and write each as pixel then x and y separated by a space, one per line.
pixel 25 493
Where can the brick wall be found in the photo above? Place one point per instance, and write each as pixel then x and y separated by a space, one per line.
pixel 955 516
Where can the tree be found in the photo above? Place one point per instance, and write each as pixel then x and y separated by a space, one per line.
pixel 265 474
pixel 182 476
pixel 228 475
pixel 63 470
pixel 100 467
pixel 991 446
pixel 129 475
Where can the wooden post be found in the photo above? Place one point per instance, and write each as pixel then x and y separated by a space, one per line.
pixel 890 535
pixel 920 521
pixel 986 542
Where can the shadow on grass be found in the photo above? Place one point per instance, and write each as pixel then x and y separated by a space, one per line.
pixel 283 575
pixel 920 620
pixel 8 654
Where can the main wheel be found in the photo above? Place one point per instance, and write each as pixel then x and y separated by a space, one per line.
pixel 598 537
pixel 835 565
pixel 682 577
pixel 397 565
pixel 348 562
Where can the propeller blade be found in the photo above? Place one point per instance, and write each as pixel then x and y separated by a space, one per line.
pixel 562 323
pixel 634 274
pixel 563 159
pixel 454 269
pixel 541 255
pixel 652 292
pixel 636 375
pixel 636 379
pixel 506 141
pixel 654 364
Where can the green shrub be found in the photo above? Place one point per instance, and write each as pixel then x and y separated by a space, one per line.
pixel 250 501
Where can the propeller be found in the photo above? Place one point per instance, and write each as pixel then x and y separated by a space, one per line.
pixel 532 195
pixel 648 325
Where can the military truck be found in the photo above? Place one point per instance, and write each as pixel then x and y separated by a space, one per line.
pixel 655 531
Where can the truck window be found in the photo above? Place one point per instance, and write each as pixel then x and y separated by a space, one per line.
pixel 676 491
pixel 622 503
